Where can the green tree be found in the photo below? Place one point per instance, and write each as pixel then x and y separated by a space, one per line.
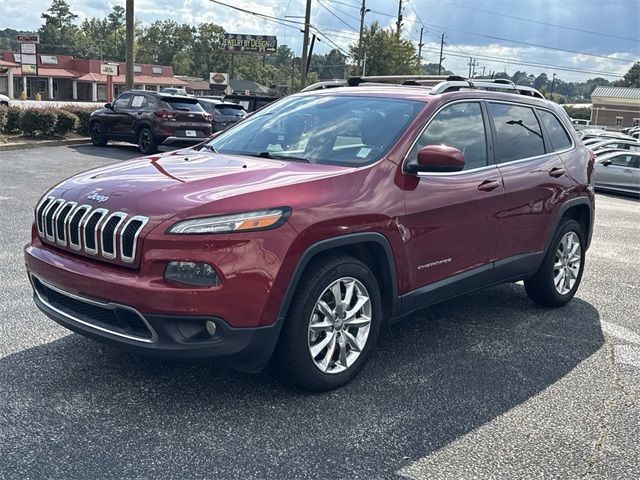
pixel 329 66
pixel 207 49
pixel 60 34
pixel 385 53
pixel 632 77
pixel 162 40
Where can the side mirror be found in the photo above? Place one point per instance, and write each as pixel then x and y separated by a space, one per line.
pixel 439 158
pixel 109 106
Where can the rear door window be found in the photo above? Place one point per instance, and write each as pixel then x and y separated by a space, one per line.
pixel 461 126
pixel 518 133
pixel 556 134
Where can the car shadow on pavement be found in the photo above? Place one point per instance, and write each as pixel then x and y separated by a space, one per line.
pixel 73 408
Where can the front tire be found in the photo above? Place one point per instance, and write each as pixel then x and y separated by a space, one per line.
pixel 98 137
pixel 146 141
pixel 558 278
pixel 332 325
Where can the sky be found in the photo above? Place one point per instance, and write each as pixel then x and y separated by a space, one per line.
pixel 576 39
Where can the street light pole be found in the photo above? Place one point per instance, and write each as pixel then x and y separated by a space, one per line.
pixel 553 81
pixel 129 44
pixel 363 11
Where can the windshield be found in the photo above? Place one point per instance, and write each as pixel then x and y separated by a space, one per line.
pixel 337 130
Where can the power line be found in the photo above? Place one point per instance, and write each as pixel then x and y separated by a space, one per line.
pixel 384 14
pixel 534 44
pixel 343 12
pixel 342 21
pixel 542 23
pixel 525 63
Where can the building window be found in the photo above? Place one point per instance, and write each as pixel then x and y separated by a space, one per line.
pixel 137 68
pixel 156 70
pixel 636 122
pixel 619 121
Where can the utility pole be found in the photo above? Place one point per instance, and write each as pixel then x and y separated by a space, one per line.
pixel 305 46
pixel 473 63
pixel 313 41
pixel 441 47
pixel 129 44
pixel 399 22
pixel 553 81
pixel 363 10
pixel 420 45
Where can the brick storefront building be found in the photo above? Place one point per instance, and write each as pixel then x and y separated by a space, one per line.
pixel 615 107
pixel 63 77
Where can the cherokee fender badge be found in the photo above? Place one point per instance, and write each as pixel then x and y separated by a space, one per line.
pixel 97 197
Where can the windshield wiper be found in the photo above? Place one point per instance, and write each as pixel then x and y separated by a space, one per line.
pixel 276 156
pixel 205 145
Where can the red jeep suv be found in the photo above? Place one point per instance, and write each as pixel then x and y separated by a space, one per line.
pixel 302 230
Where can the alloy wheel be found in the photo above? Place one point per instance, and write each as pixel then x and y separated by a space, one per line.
pixel 339 325
pixel 96 133
pixel 566 266
pixel 145 140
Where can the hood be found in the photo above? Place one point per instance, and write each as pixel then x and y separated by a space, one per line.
pixel 164 185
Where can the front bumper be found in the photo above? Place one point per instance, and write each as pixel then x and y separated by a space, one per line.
pixel 169 336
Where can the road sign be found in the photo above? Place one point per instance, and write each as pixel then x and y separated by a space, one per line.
pixel 27 38
pixel 28 48
pixel 110 69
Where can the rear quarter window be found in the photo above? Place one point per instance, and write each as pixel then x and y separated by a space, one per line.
pixel 556 134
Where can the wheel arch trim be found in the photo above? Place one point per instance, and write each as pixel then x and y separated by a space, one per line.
pixel 342 241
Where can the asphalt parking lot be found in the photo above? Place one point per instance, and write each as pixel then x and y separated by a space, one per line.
pixel 485 386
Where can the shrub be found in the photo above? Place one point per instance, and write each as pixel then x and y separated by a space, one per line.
pixel 38 122
pixel 66 122
pixel 83 114
pixel 12 120
pixel 4 115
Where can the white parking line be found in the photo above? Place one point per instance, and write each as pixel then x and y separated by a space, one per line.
pixel 627 354
pixel 620 333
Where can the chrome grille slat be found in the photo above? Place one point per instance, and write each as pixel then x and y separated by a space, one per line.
pixel 60 219
pixel 96 231
pixel 143 221
pixel 105 236
pixel 90 231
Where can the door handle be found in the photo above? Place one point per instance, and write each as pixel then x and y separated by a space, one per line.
pixel 489 185
pixel 557 172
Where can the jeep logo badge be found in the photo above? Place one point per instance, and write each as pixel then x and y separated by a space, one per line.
pixel 97 197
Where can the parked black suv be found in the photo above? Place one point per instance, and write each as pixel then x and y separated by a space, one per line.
pixel 150 119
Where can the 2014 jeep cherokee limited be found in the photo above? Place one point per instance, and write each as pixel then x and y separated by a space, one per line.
pixel 299 232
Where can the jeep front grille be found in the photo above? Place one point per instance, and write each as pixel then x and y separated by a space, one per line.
pixel 93 231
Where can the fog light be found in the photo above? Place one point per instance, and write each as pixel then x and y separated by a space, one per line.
pixel 210 327
pixel 192 273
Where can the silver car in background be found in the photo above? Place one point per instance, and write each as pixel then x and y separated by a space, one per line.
pixel 618 171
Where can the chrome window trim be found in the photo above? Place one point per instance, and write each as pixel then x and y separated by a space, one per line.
pixel 78 246
pixel 105 254
pixel 144 221
pixel 56 217
pixel 473 170
pixel 109 305
pixel 56 204
pixel 102 212
pixel 41 217
pixel 413 144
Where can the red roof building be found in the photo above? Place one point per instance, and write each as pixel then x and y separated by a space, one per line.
pixel 63 77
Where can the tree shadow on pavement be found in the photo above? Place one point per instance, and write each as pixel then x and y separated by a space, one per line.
pixel 113 150
pixel 76 409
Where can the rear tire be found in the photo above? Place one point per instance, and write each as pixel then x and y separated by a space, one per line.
pixel 559 276
pixel 325 343
pixel 98 137
pixel 147 143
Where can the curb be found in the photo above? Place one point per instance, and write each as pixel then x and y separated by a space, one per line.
pixel 43 143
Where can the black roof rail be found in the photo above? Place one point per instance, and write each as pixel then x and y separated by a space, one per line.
pixel 455 83
pixel 420 80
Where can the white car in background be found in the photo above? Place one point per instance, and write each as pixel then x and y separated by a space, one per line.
pixel 4 101
pixel 619 172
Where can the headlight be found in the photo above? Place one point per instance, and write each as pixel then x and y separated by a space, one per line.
pixel 260 220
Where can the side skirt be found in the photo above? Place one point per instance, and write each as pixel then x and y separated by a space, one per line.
pixel 506 270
